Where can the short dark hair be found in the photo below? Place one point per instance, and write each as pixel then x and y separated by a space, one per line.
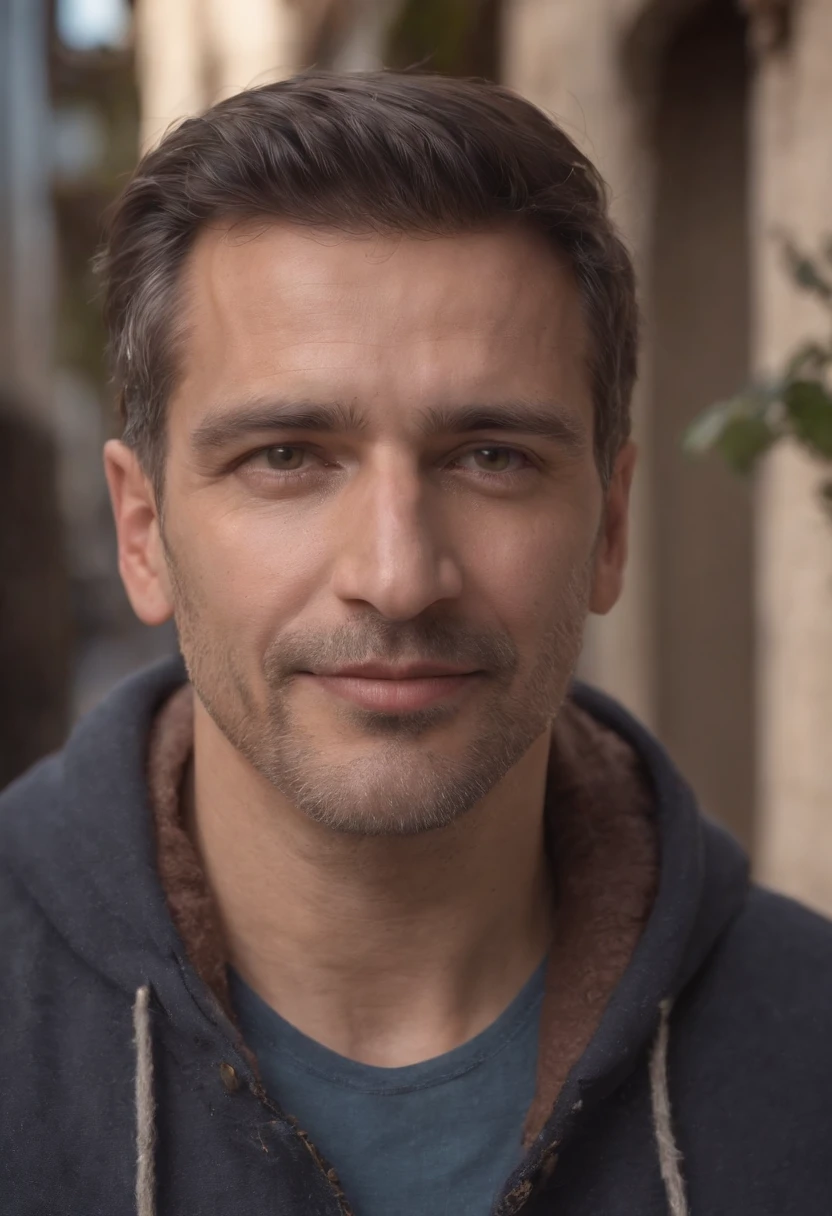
pixel 371 151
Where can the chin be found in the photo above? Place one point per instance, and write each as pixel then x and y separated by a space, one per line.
pixel 395 796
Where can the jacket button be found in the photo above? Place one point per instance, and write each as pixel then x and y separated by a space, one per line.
pixel 229 1077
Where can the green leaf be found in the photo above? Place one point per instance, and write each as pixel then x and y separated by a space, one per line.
pixel 811 357
pixel 809 407
pixel 704 432
pixel 739 430
pixel 744 441
pixel 804 270
pixel 826 497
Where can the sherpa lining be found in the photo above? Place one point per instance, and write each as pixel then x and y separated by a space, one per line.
pixel 191 904
pixel 604 853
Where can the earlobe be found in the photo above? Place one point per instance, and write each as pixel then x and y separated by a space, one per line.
pixel 611 549
pixel 141 555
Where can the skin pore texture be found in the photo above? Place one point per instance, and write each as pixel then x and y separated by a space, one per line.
pixel 379 451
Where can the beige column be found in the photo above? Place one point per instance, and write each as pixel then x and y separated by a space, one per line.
pixel 566 58
pixel 191 53
pixel 793 189
pixel 169 64
pixel 251 42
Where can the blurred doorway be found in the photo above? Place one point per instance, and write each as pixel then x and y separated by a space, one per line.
pixel 700 322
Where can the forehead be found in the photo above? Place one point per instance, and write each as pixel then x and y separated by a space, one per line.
pixel 271 306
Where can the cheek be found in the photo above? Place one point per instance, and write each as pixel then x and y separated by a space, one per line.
pixel 527 569
pixel 249 574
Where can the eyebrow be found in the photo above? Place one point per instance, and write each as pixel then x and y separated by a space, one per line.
pixel 229 423
pixel 548 420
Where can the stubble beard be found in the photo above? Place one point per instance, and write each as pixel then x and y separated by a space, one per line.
pixel 395 788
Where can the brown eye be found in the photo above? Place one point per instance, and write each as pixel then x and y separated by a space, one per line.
pixel 284 458
pixel 494 460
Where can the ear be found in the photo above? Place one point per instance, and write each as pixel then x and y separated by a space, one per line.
pixel 141 554
pixel 611 549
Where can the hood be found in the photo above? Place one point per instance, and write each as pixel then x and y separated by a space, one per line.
pixel 703 882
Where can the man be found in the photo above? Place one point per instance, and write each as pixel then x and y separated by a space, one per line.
pixel 373 911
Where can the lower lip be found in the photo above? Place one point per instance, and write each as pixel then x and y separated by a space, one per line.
pixel 394 696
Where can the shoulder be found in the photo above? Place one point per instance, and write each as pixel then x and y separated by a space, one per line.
pixel 30 818
pixel 30 809
pixel 750 1063
pixel 34 792
pixel 782 944
pixel 766 990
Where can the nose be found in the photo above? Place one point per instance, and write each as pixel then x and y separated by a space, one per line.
pixel 393 545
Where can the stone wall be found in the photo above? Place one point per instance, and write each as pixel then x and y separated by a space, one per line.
pixel 596 66
pixel 792 141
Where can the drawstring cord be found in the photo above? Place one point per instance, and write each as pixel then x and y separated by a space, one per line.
pixel 145 1106
pixel 670 1158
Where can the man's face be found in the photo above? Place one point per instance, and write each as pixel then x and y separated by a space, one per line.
pixel 380 456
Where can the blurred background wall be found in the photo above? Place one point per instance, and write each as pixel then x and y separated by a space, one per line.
pixel 710 120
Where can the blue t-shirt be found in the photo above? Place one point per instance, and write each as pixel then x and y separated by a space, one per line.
pixel 432 1139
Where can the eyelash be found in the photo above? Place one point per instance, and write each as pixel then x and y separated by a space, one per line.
pixel 298 474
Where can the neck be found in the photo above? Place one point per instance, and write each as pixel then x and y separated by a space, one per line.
pixel 388 950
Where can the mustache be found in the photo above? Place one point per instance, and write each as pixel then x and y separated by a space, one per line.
pixel 375 640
